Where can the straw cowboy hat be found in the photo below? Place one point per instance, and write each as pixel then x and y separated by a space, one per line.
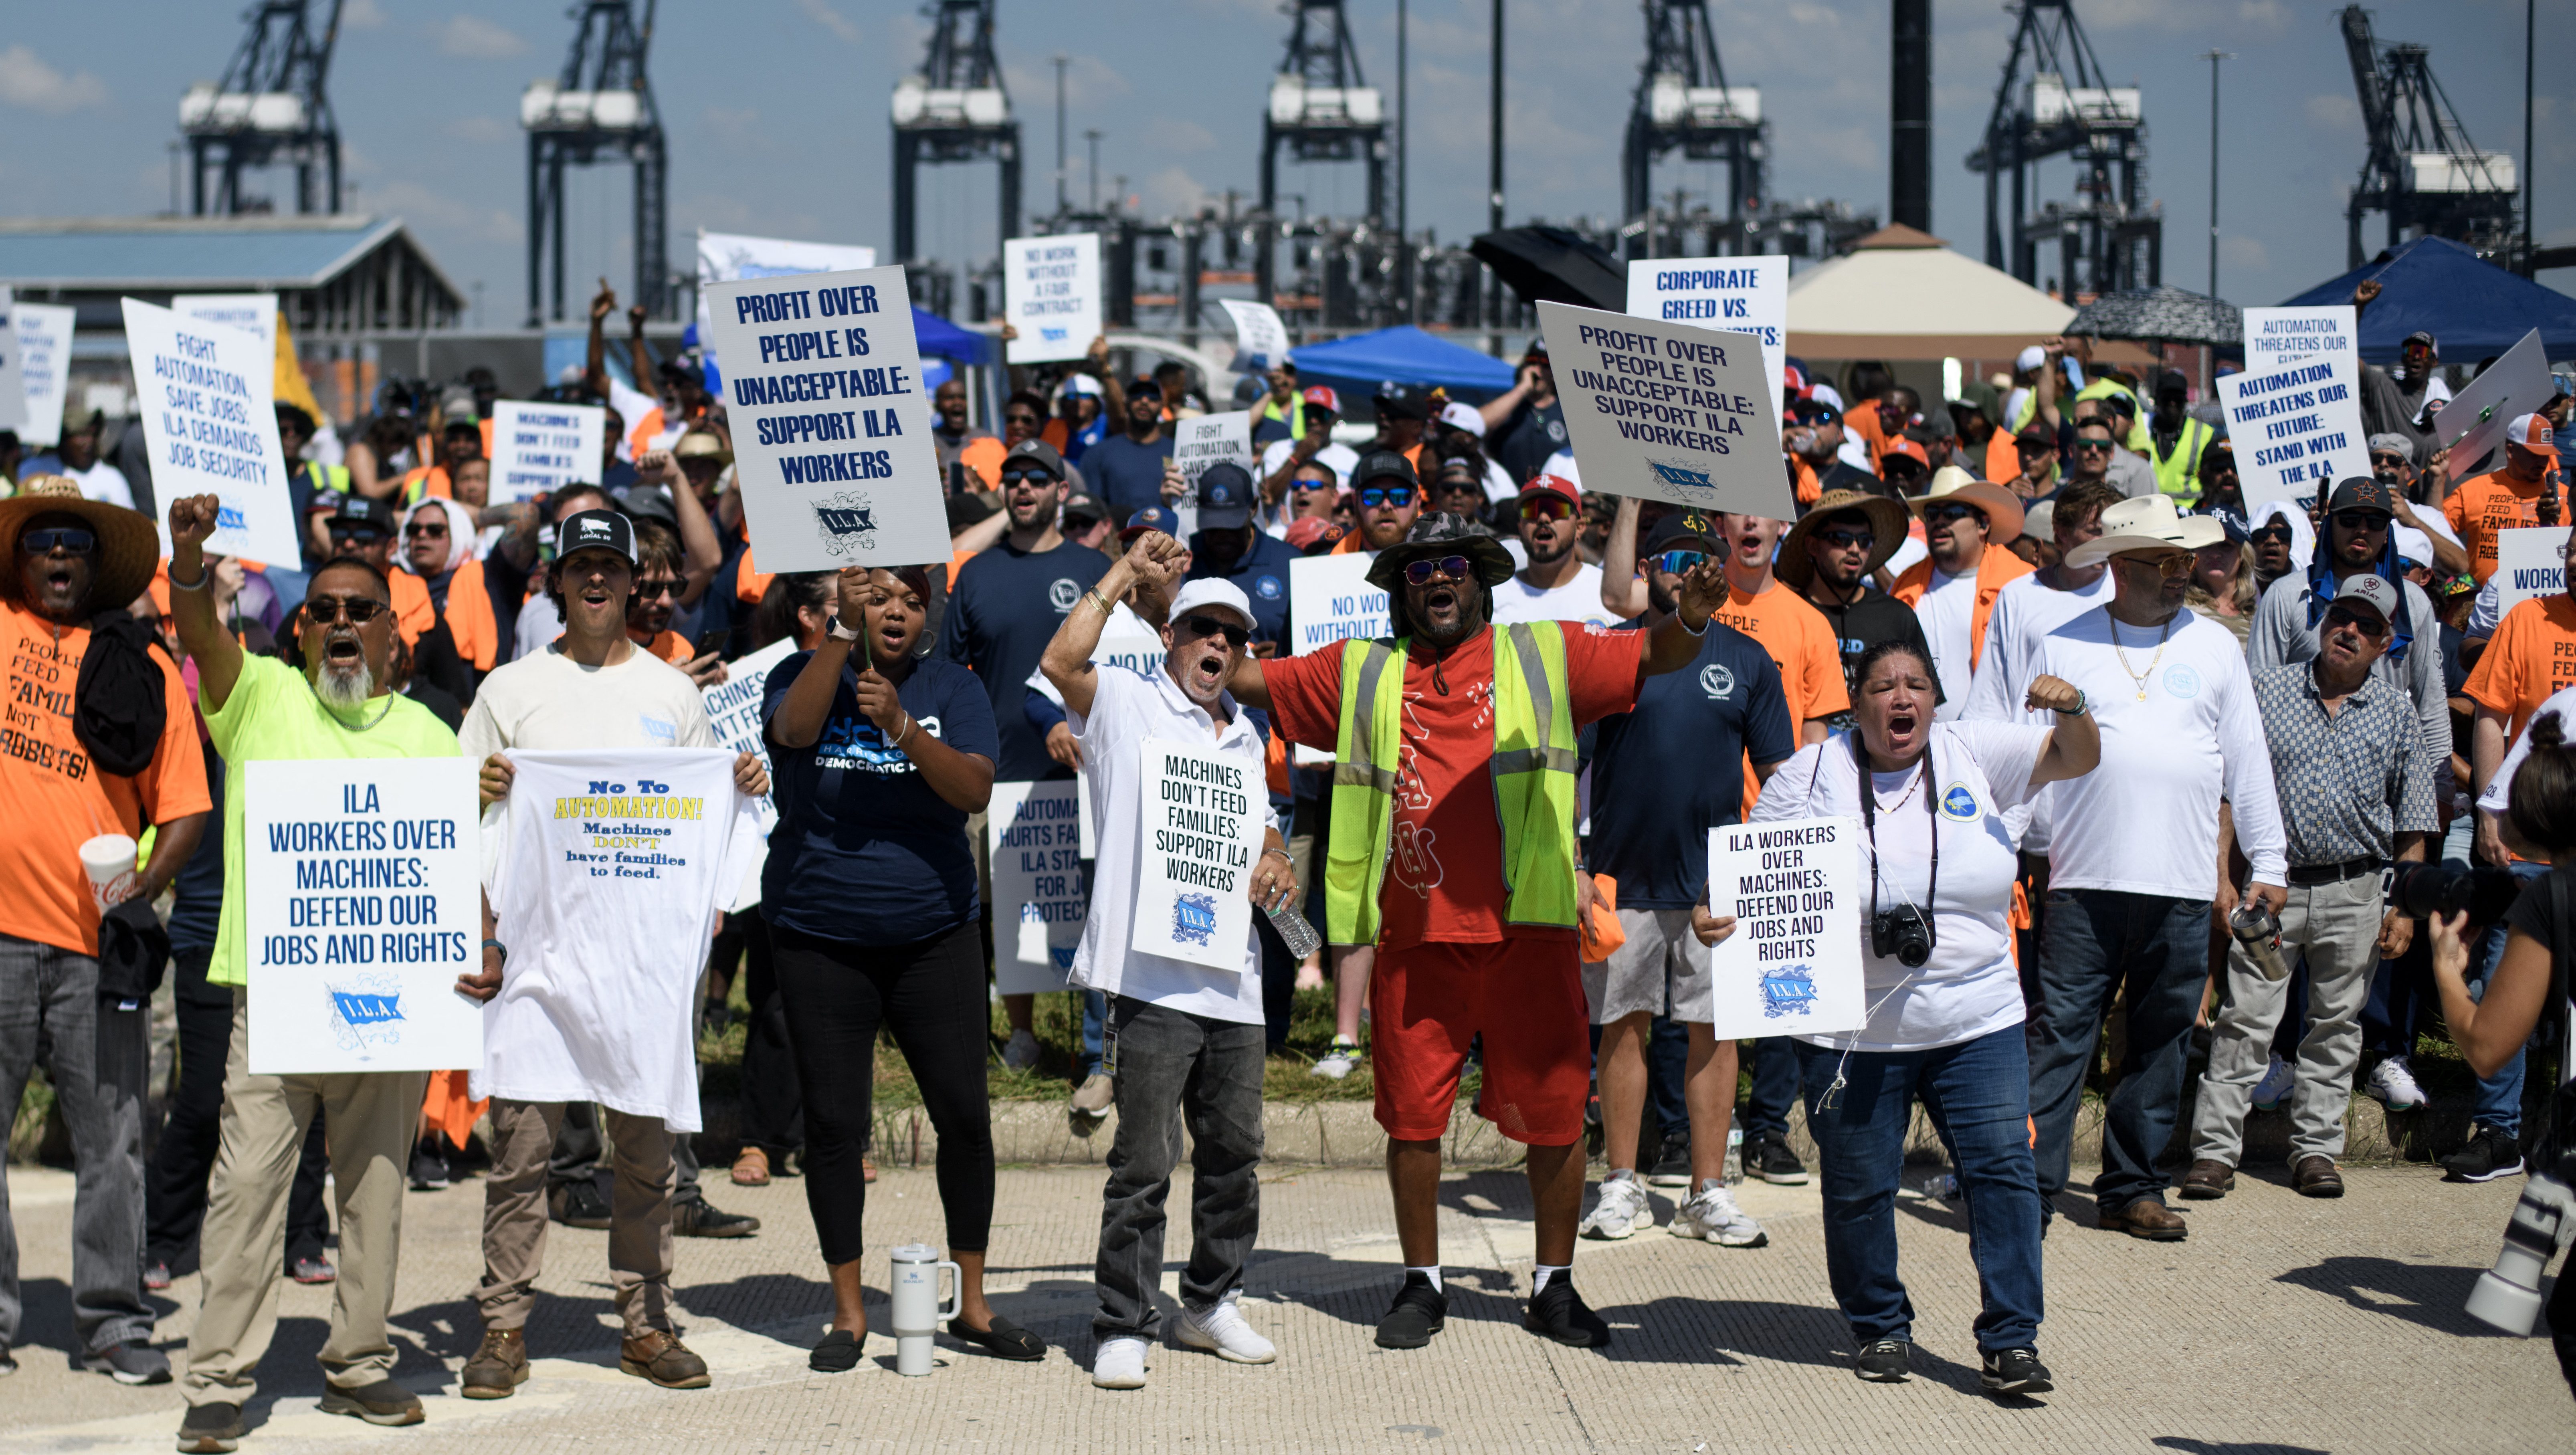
pixel 1887 523
pixel 2147 523
pixel 129 549
pixel 2002 508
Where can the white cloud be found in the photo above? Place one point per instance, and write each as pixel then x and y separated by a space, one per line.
pixel 2236 254
pixel 822 14
pixel 363 15
pixel 481 129
pixel 473 38
pixel 25 80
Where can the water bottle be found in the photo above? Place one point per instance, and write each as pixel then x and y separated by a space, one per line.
pixel 1295 931
pixel 1941 1186
pixel 2259 932
pixel 1734 1170
pixel 917 1309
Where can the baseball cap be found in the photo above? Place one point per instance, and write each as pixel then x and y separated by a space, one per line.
pixel 1080 384
pixel 2362 492
pixel 595 530
pixel 2036 433
pixel 2531 431
pixel 1463 416
pixel 1086 507
pixel 1225 496
pixel 1537 349
pixel 2031 358
pixel 1687 525
pixel 1321 396
pixel 1312 536
pixel 1035 451
pixel 1152 517
pixel 1144 387
pixel 1556 485
pixel 1210 591
pixel 2172 381
pixel 1398 401
pixel 1900 445
pixel 2373 591
pixel 360 510
pixel 1381 464
pixel 2419 336
pixel 2395 444
pixel 2414 547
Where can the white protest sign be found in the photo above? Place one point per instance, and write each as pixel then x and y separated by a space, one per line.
pixel 13 379
pixel 362 893
pixel 2295 426
pixel 1051 295
pixel 1203 440
pixel 726 257
pixel 539 448
pixel 2475 420
pixel 2528 564
pixel 1329 598
pixel 1793 965
pixel 831 429
pixel 2277 336
pixel 1202 829
pixel 1744 295
pixel 1668 411
pixel 1258 333
pixel 1039 892
pixel 208 395
pixel 44 364
pixel 249 312
pixel 733 710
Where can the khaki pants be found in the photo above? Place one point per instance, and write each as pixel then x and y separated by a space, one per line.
pixel 369 1119
pixel 514 1214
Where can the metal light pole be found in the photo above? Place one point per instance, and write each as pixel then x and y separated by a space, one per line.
pixel 1060 62
pixel 2528 34
pixel 1403 119
pixel 2214 57
pixel 1494 187
pixel 1091 172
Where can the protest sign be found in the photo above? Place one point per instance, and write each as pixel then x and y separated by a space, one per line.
pixel 1203 440
pixel 13 378
pixel 2530 562
pixel 1329 598
pixel 733 710
pixel 44 335
pixel 2277 336
pixel 1051 295
pixel 537 448
pixel 1202 828
pixel 2295 427
pixel 1040 895
pixel 1668 411
pixel 249 312
pixel 363 901
pixel 1746 295
pixel 1260 339
pixel 2474 422
pixel 208 393
pixel 1793 965
pixel 831 427
pixel 726 257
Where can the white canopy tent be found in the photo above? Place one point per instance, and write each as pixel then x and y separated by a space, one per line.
pixel 1904 295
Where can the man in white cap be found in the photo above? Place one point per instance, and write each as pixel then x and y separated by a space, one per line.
pixel 2133 859
pixel 1460 424
pixel 1966 523
pixel 1186 1041
pixel 2520 494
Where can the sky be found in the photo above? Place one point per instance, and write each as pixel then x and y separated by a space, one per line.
pixel 776 113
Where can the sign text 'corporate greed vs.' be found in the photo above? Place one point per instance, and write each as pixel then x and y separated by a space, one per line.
pixel 1668 411
pixel 831 427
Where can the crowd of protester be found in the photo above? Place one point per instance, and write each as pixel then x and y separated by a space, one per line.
pixel 2091 708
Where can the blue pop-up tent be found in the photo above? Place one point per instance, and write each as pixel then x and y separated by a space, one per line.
pixel 1401 355
pixel 939 338
pixel 2473 308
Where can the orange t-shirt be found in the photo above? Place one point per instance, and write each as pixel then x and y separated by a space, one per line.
pixel 1803 645
pixel 671 647
pixel 55 798
pixel 983 459
pixel 1444 876
pixel 2532 655
pixel 2486 504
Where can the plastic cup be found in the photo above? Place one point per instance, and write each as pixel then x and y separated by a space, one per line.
pixel 109 861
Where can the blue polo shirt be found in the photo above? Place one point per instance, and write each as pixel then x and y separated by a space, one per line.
pixel 1262 576
pixel 1002 612
pixel 1125 475
pixel 1664 773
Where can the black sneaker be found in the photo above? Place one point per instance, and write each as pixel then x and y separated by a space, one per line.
pixel 1884 1361
pixel 837 1354
pixel 579 1204
pixel 1419 1311
pixel 1768 1157
pixel 1560 1313
pixel 2015 1371
pixel 131 1362
pixel 211 1429
pixel 2489 1155
pixel 381 1403
pixel 698 1218
pixel 1674 1170
pixel 429 1165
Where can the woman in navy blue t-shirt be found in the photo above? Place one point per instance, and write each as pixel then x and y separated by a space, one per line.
pixel 870 897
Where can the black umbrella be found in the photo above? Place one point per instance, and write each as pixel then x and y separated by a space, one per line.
pixel 1552 264
pixel 2160 315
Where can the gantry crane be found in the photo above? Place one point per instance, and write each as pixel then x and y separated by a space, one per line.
pixel 2055 100
pixel 2422 169
pixel 954 110
pixel 599 109
pixel 1683 102
pixel 270 106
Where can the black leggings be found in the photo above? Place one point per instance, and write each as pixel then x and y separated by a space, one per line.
pixel 930 993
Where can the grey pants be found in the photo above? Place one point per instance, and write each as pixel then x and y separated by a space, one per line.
pixel 94 1055
pixel 514 1215
pixel 2336 926
pixel 1173 1068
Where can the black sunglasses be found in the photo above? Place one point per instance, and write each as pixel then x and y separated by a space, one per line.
pixel 70 539
pixel 1944 514
pixel 1027 477
pixel 651 590
pixel 365 535
pixel 2370 627
pixel 1846 539
pixel 2277 531
pixel 356 610
pixel 424 528
pixel 2361 520
pixel 1424 572
pixel 1213 626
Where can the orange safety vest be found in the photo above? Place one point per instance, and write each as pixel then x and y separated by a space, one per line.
pixel 470 623
pixel 1997 569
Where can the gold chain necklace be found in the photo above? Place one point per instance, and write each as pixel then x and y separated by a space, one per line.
pixel 2139 677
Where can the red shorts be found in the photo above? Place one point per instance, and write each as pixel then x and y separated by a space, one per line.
pixel 1526 997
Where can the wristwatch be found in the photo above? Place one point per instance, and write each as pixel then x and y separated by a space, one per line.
pixel 840 632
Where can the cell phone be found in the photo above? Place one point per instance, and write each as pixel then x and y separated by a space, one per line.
pixel 710 639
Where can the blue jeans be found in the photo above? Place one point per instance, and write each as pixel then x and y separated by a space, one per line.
pixel 2499 1103
pixel 1978 1096
pixel 1775 1087
pixel 2157 948
pixel 1095 1016
pixel 1667 1061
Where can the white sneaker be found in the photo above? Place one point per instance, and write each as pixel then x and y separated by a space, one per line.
pixel 2393 1082
pixel 1022 1052
pixel 1713 1216
pixel 2274 1088
pixel 1092 1098
pixel 1619 1209
pixel 1119 1364
pixel 1338 1061
pixel 1221 1331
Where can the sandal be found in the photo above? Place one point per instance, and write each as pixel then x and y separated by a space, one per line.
pixel 867 1168
pixel 1003 1338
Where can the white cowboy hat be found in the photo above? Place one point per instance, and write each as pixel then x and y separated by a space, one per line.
pixel 2001 507
pixel 2147 523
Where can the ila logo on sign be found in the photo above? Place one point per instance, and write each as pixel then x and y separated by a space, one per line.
pixel 846 522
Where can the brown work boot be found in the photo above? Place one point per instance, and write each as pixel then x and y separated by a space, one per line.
pixel 498 1367
pixel 751 1169
pixel 2315 1176
pixel 660 1357
pixel 2149 1219
pixel 2208 1180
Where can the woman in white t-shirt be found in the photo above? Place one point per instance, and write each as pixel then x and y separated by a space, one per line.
pixel 1945 1006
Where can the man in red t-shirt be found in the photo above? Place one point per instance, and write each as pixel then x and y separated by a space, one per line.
pixel 1470 891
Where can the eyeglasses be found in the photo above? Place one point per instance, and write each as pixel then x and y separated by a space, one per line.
pixel 1423 573
pixel 2371 627
pixel 71 540
pixel 1944 514
pixel 1678 563
pixel 1215 626
pixel 2169 567
pixel 2361 520
pixel 331 610
pixel 1375 496
pixel 1844 540
pixel 648 590
pixel 433 530
pixel 1039 478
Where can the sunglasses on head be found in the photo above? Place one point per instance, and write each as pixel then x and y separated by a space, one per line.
pixel 1944 514
pixel 1375 496
pixel 330 610
pixel 1845 538
pixel 1216 626
pixel 1424 572
pixel 1677 563
pixel 2369 626
pixel 2361 520
pixel 1038 478
pixel 70 539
